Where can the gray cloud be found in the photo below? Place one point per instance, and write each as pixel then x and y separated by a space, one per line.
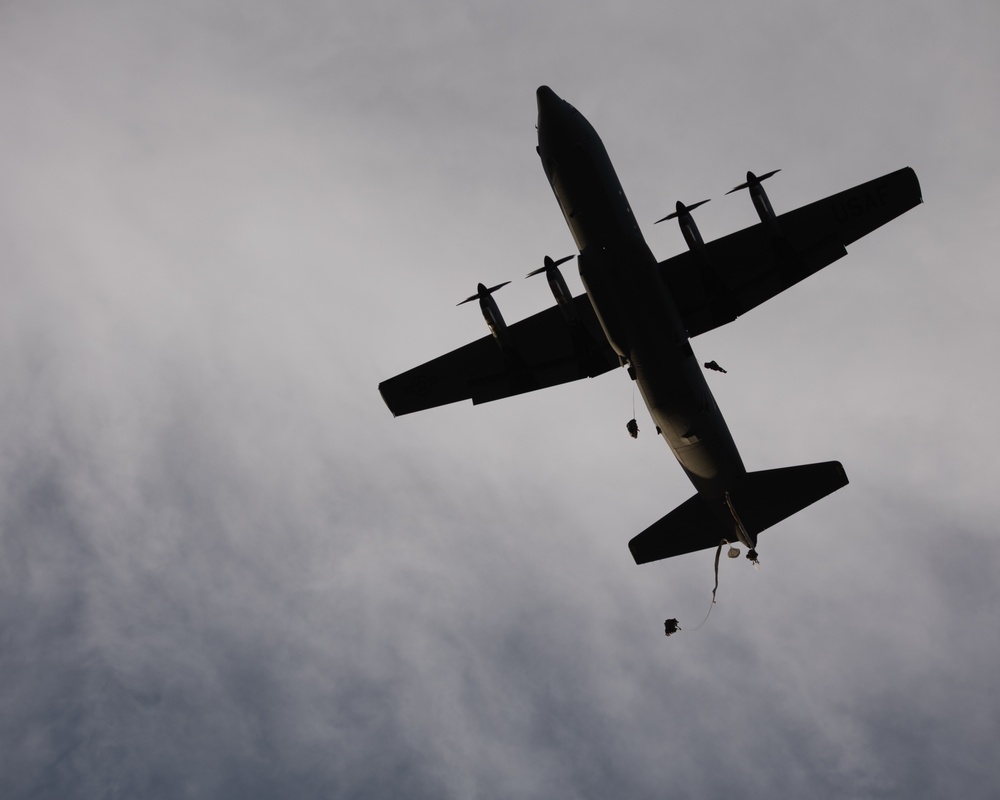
pixel 226 571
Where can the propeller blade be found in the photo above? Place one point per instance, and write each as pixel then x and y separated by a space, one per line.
pixel 482 292
pixel 681 208
pixel 549 264
pixel 751 178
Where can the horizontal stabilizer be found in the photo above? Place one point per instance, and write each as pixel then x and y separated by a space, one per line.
pixel 689 527
pixel 764 498
pixel 761 499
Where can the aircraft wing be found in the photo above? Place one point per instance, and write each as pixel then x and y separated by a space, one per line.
pixel 546 350
pixel 734 274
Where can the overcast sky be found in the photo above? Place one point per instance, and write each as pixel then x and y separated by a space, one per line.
pixel 227 571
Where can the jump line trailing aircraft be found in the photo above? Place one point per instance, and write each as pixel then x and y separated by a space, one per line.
pixel 640 314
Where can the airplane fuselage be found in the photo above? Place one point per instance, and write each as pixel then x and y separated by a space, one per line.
pixel 635 309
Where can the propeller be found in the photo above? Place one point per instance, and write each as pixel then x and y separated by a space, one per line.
pixel 549 264
pixel 483 292
pixel 751 179
pixel 681 209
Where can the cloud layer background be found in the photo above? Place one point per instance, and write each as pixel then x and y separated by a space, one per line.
pixel 226 571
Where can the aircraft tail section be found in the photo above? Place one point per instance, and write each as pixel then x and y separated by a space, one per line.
pixel 761 499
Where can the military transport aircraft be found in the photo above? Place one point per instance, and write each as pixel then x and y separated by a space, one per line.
pixel 639 314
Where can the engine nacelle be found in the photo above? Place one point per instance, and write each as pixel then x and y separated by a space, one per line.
pixel 687 224
pixel 491 313
pixel 760 200
pixel 560 291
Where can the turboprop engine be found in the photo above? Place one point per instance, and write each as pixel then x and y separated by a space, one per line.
pixel 759 198
pixel 492 315
pixel 558 285
pixel 683 216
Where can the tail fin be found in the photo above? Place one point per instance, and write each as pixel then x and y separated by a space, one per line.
pixel 761 499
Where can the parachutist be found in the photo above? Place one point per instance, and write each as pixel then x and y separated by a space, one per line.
pixel 633 428
pixel 670 626
pixel 714 365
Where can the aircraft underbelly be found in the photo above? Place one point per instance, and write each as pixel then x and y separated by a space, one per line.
pixel 686 414
pixel 643 325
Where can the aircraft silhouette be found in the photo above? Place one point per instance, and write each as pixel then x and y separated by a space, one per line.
pixel 640 314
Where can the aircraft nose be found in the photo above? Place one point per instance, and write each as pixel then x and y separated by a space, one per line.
pixel 546 98
pixel 549 107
